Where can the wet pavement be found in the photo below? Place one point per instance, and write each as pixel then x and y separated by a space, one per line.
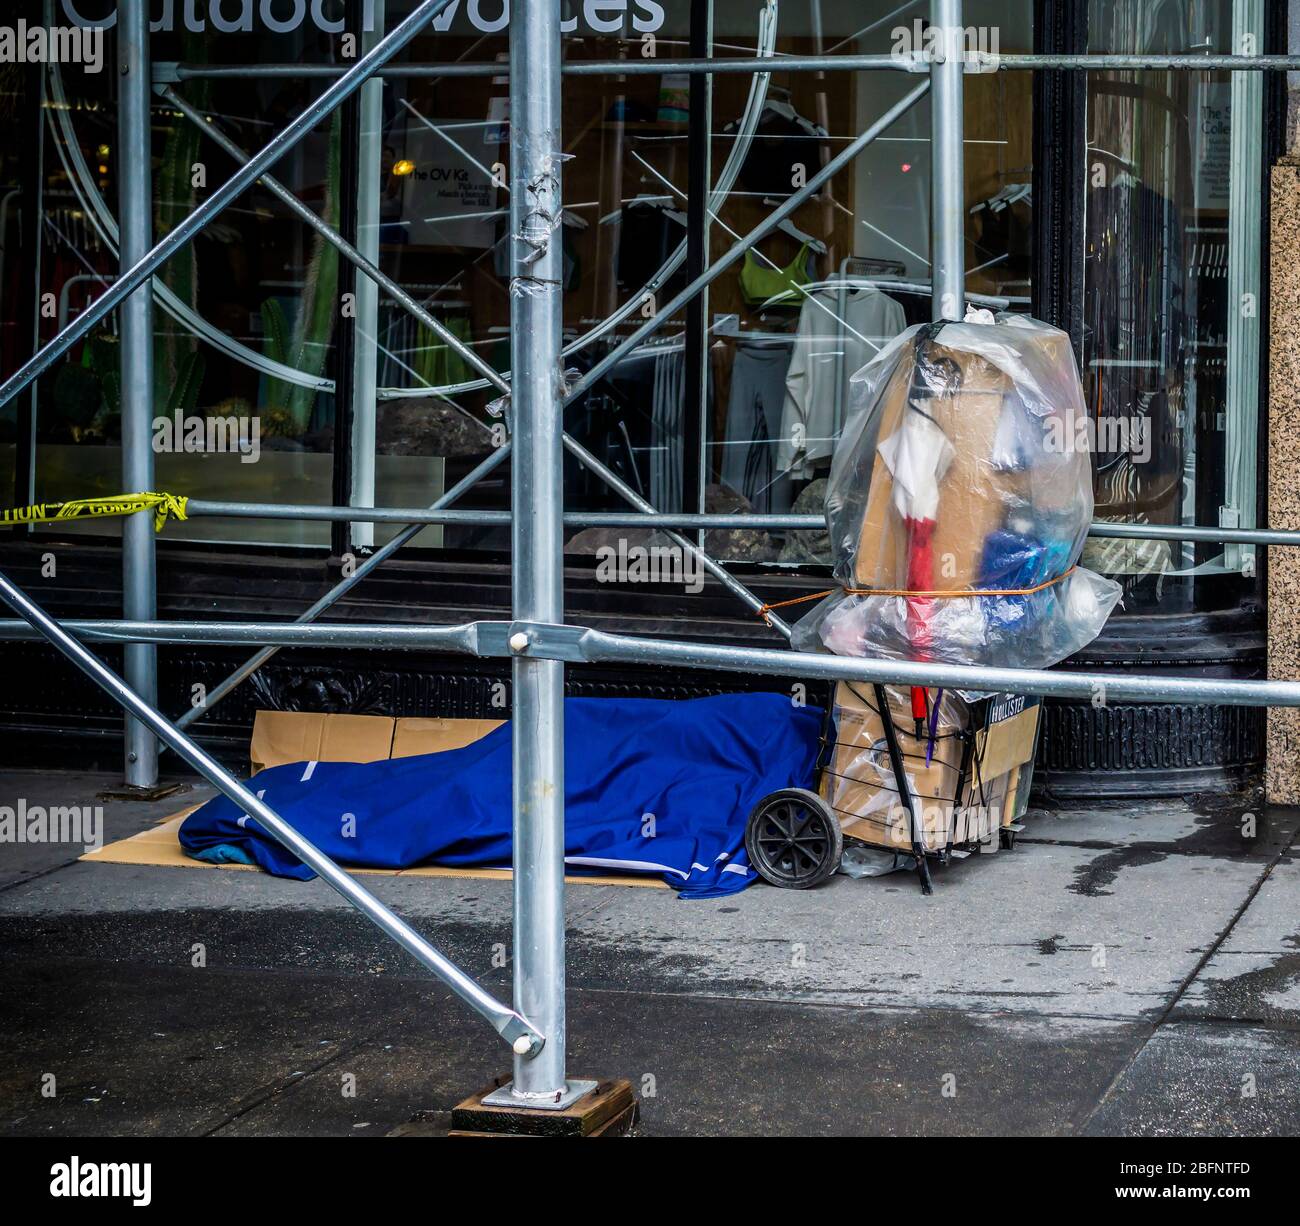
pixel 1126 969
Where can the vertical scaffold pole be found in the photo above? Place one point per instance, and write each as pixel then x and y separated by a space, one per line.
pixel 365 379
pixel 537 540
pixel 947 158
pixel 135 207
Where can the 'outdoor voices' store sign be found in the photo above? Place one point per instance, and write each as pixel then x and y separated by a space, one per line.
pixel 286 16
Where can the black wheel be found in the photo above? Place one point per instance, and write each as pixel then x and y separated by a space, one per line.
pixel 793 839
pixel 1008 837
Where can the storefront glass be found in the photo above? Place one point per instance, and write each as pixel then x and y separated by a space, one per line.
pixel 735 405
pixel 246 316
pixel 1172 292
pixel 780 362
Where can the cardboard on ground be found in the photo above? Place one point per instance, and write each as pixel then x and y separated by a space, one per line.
pixel 280 737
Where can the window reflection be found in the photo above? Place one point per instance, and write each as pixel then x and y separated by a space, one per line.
pixel 1171 343
pixel 733 407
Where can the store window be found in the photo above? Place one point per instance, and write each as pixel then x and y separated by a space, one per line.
pixel 818 299
pixel 735 405
pixel 1171 345
pixel 246 316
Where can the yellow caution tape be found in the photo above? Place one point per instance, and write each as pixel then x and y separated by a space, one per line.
pixel 164 506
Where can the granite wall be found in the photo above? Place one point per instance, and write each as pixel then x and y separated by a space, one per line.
pixel 1282 777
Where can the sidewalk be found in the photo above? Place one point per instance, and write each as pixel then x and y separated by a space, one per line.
pixel 1131 970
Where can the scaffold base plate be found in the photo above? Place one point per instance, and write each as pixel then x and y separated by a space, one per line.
pixel 127 791
pixel 588 1109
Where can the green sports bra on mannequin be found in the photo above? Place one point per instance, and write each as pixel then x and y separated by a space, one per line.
pixel 760 284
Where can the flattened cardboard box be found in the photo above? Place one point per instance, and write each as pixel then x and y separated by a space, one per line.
pixel 421 734
pixel 312 736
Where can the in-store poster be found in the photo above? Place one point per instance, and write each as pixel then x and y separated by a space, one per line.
pixel 449 198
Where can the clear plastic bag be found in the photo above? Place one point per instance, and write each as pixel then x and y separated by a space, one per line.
pixel 963 468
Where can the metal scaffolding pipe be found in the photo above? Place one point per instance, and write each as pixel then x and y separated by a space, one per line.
pixel 1108 62
pixel 729 65
pixel 578 645
pixel 135 207
pixel 537 541
pixel 583 645
pixel 947 165
pixel 171 73
pixel 453 640
pixel 520 1033
pixel 203 507
pixel 365 329
pixel 1002 62
pixel 131 280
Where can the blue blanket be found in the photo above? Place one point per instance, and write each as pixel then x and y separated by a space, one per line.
pixel 651 786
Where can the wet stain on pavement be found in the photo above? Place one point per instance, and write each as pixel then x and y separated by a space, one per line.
pixel 1227 827
pixel 1091 879
pixel 1246 997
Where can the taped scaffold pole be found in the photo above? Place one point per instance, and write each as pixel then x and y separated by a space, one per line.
pixel 537 547
pixel 517 1031
pixel 135 208
pixel 263 160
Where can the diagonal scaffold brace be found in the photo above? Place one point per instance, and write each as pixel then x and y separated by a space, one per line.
pixel 525 1039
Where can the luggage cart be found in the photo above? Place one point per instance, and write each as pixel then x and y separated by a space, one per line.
pixel 794 837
